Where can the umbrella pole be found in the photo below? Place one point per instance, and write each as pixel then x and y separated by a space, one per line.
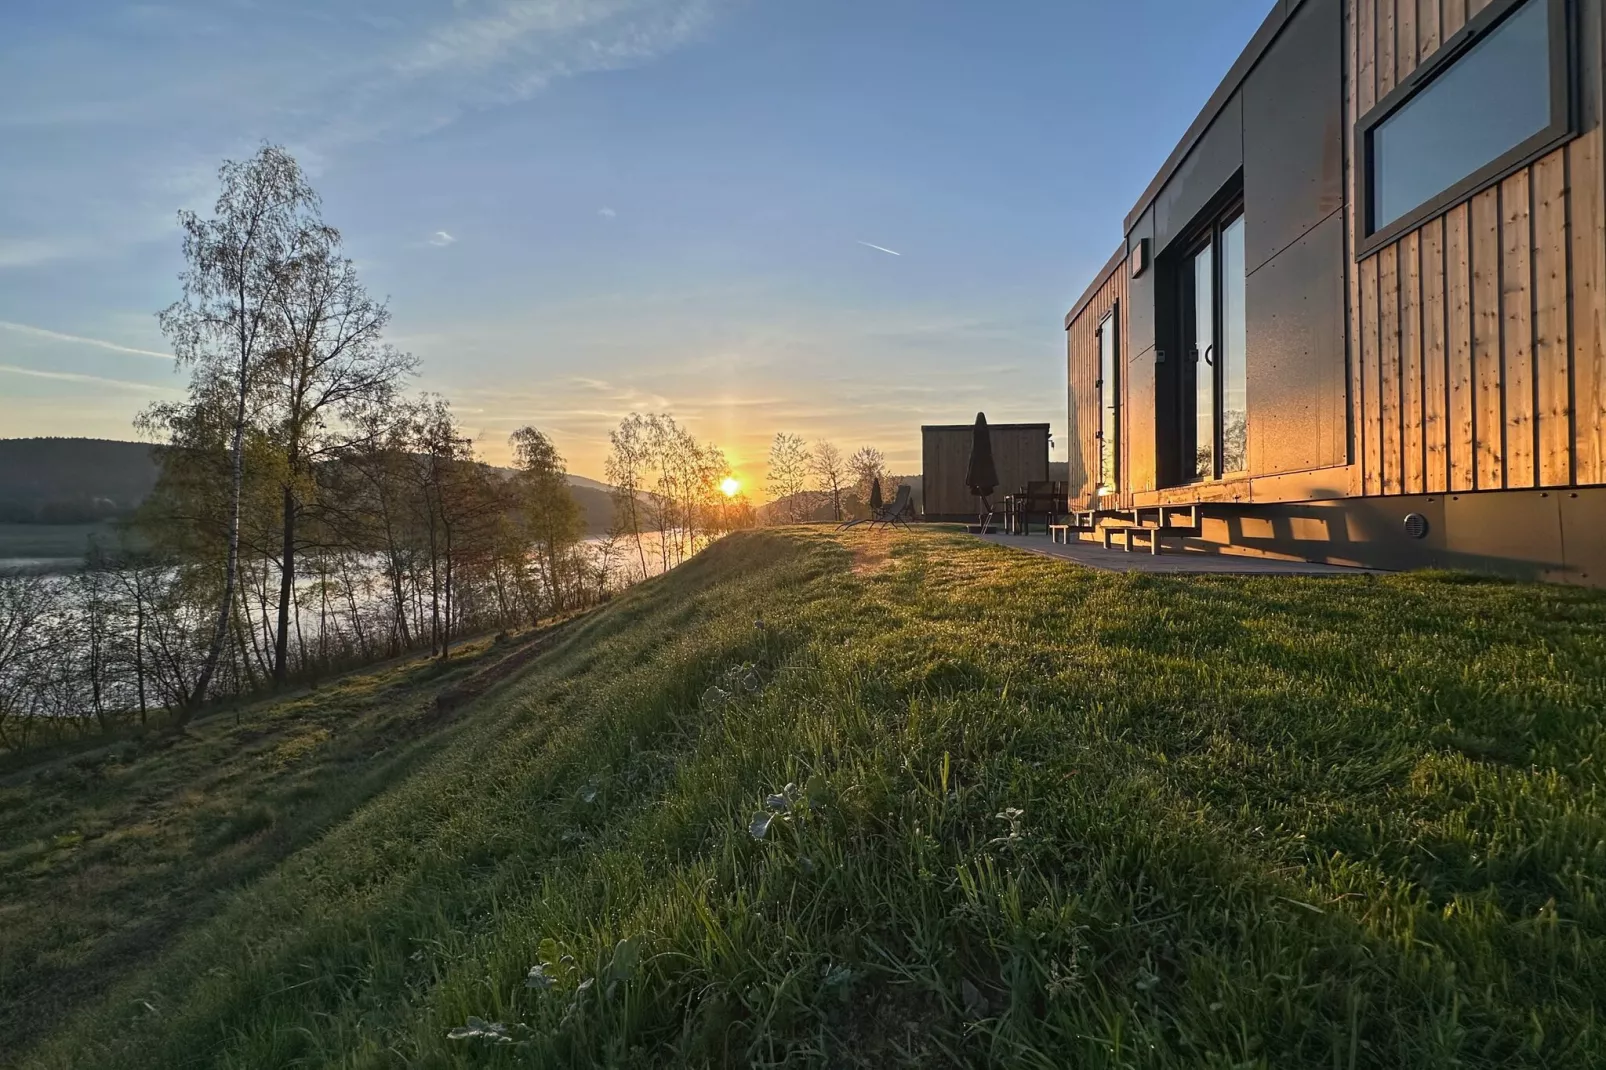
pixel 984 513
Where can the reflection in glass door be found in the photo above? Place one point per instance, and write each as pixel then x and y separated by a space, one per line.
pixel 1215 439
pixel 1203 461
pixel 1109 408
pixel 1231 376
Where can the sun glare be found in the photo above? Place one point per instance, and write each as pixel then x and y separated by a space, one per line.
pixel 730 486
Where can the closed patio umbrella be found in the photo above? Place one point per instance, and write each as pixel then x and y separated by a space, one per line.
pixel 876 501
pixel 981 475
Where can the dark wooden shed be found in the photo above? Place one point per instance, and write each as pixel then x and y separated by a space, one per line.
pixel 1020 451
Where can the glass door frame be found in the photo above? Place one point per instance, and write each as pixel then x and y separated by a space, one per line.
pixel 1109 392
pixel 1208 237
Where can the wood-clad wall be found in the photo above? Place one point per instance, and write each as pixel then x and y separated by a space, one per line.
pixel 1082 345
pixel 1478 344
pixel 1020 452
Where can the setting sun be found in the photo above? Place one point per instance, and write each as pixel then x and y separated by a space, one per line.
pixel 730 486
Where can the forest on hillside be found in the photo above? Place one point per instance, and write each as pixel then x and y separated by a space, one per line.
pixel 90 480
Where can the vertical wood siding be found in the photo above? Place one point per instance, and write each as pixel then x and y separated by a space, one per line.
pixel 1478 342
pixel 1020 454
pixel 1435 361
pixel 1082 345
pixel 1413 463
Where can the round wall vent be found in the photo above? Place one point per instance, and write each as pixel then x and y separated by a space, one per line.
pixel 1416 525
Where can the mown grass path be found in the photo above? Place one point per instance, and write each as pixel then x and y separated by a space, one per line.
pixel 1014 813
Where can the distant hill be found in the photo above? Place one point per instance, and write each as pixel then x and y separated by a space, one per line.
pixel 88 480
pixel 72 480
pixel 589 484
pixel 595 501
pixel 817 504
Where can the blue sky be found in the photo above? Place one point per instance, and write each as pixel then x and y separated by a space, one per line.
pixel 582 207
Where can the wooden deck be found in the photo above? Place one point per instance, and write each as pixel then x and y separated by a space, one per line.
pixel 1173 561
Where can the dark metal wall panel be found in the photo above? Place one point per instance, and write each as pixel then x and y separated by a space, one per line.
pixel 1218 102
pixel 1293 132
pixel 1141 289
pixel 1583 535
pixel 1206 170
pixel 1297 375
pixel 1517 527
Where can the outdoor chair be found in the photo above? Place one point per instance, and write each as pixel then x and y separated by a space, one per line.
pixel 895 512
pixel 1045 498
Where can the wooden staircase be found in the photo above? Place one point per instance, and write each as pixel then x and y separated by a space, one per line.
pixel 1133 525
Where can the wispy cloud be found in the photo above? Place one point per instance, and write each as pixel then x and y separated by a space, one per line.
pixel 75 339
pixel 606 212
pixel 357 73
pixel 79 377
pixel 17 253
pixel 498 52
pixel 441 238
pixel 880 248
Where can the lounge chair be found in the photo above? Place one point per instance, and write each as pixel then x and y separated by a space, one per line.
pixel 896 512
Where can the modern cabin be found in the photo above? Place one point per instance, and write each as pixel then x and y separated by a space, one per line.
pixel 1359 316
pixel 1020 452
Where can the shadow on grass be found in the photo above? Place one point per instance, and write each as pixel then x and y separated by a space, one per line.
pixel 104 857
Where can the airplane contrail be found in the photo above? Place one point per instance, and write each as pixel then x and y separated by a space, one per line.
pixel 57 336
pixel 881 248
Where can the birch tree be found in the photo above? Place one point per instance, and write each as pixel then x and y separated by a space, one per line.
pixel 222 328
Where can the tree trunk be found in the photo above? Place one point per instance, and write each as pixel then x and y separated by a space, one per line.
pixel 225 607
pixel 139 649
pixel 635 529
pixel 287 582
pixel 446 625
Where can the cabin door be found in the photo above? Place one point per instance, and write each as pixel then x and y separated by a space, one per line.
pixel 1214 421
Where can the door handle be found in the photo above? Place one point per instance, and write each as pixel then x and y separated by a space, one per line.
pixel 1209 350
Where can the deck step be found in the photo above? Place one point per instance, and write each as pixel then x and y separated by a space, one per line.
pixel 1154 535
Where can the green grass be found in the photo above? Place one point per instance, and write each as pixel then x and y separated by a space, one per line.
pixel 1041 817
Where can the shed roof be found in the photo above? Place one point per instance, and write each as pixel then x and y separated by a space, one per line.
pixel 991 427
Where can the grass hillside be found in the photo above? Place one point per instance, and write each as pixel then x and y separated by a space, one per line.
pixel 865 800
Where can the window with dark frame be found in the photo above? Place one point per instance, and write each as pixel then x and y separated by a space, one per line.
pixel 1109 432
pixel 1497 95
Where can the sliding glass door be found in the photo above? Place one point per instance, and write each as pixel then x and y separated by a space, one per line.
pixel 1231 373
pixel 1215 433
pixel 1109 408
pixel 1202 279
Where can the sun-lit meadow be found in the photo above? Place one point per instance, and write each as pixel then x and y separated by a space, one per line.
pixel 864 800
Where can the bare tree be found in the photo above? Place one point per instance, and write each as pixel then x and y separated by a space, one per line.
pixel 328 363
pixel 832 473
pixel 25 605
pixel 223 326
pixel 788 475
pixel 625 469
pixel 867 464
